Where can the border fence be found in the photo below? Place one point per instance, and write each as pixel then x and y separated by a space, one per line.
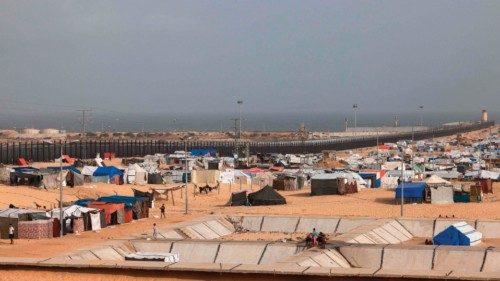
pixel 42 151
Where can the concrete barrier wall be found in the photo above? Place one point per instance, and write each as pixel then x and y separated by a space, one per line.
pixel 418 227
pixel 279 224
pixel 492 261
pixel 365 256
pixel 489 228
pixel 190 251
pixel 240 252
pixel 382 231
pixel 409 257
pixel 467 259
pixel 325 225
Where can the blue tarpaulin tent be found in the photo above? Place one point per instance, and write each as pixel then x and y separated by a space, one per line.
pixel 109 171
pixel 203 152
pixel 129 201
pixel 458 234
pixel 412 191
pixel 83 202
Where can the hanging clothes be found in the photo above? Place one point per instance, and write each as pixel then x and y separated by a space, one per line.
pixel 95 218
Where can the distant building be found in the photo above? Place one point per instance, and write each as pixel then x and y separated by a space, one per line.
pixel 484 116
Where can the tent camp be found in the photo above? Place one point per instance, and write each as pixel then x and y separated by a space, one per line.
pixel 266 196
pixel 458 234
pixel 441 190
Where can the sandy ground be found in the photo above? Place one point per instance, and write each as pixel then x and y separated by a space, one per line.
pixel 369 202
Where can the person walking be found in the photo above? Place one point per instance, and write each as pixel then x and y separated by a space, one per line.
pixel 162 211
pixel 11 233
pixel 155 231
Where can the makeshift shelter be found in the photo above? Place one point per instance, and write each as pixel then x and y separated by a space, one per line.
pixel 74 179
pixel 5 175
pixel 37 229
pixel 202 177
pixel 436 180
pixel 114 213
pixel 411 192
pixel 26 176
pixel 458 234
pixel 109 171
pixel 285 182
pixel 148 195
pixel 135 207
pixel 324 184
pixel 238 198
pixel 77 218
pixel 266 196
pixel 155 178
pixel 442 195
pixel 136 174
pixel 14 216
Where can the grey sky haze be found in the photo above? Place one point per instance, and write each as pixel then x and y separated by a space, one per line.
pixel 278 56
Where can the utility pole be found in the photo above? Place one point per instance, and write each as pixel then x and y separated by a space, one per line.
pixel 355 107
pixel 421 115
pixel 83 123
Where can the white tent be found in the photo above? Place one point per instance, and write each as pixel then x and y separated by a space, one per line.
pixel 88 170
pixel 70 211
pixel 136 174
pixel 436 180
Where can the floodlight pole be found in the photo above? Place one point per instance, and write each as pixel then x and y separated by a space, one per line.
pixel 402 180
pixel 61 232
pixel 186 173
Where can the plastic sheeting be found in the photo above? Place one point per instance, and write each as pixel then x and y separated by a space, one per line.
pixel 95 219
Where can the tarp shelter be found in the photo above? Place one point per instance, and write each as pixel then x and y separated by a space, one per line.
pixel 238 198
pixel 155 178
pixel 285 182
pixel 26 178
pixel 411 191
pixel 442 194
pixel 325 184
pixel 88 170
pixel 5 175
pixel 136 174
pixel 201 177
pixel 114 213
pixel 266 196
pixel 83 202
pixel 109 171
pixel 203 152
pixel 458 234
pixel 74 179
pixel 138 205
pixel 77 218
pixel 14 216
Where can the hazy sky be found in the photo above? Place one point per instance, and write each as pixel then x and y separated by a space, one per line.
pixel 278 56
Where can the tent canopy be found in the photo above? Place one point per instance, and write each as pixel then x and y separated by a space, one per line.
pixel 411 190
pixel 109 171
pixel 129 201
pixel 70 211
pixel 266 196
pixel 458 234
pixel 436 180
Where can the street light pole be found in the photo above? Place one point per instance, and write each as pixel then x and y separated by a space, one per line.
pixel 354 107
pixel 402 180
pixel 61 232
pixel 186 169
pixel 421 115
